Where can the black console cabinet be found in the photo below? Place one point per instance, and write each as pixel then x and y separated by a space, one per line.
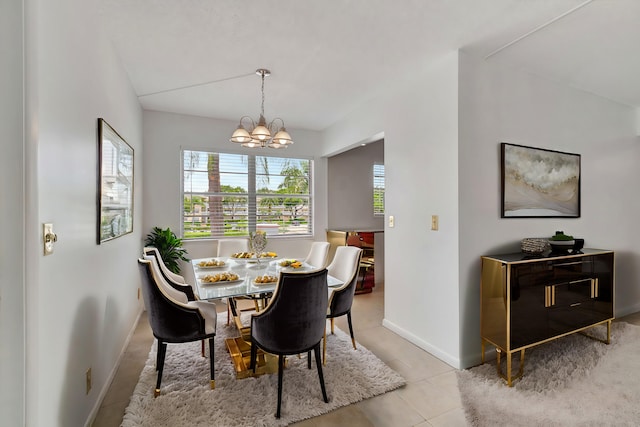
pixel 526 301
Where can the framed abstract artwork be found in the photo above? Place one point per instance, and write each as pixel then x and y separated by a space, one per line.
pixel 115 184
pixel 538 183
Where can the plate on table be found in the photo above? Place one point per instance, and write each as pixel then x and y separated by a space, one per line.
pixel 223 278
pixel 265 280
pixel 268 255
pixel 243 257
pixel 211 264
pixel 252 255
pixel 292 264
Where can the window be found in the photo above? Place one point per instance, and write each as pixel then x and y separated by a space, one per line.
pixel 378 190
pixel 233 194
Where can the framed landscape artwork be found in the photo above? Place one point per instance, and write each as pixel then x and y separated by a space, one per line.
pixel 115 184
pixel 538 183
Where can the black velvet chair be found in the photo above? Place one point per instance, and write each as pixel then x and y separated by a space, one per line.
pixel 345 266
pixel 173 321
pixel 174 284
pixel 293 322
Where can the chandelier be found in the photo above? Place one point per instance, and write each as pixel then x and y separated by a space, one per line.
pixel 260 134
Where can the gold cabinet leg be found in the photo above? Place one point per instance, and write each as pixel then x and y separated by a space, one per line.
pixel 508 375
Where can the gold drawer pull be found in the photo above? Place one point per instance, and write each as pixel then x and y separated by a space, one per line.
pixel 594 288
pixel 549 295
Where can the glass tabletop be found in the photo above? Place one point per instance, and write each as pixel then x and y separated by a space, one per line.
pixel 246 271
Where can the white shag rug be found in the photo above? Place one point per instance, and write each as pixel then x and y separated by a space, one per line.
pixel 187 400
pixel 572 381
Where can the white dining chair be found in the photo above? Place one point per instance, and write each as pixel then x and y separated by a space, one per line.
pixel 317 255
pixel 345 266
pixel 227 247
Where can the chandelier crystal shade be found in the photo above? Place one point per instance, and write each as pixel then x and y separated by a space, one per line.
pixel 261 134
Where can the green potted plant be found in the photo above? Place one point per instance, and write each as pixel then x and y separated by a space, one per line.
pixel 169 246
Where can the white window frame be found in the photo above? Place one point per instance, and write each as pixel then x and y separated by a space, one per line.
pixel 289 228
pixel 378 187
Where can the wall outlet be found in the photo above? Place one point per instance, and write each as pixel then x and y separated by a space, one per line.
pixel 434 222
pixel 392 221
pixel 88 378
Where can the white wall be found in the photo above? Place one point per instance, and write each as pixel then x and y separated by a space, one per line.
pixel 432 170
pixel 82 300
pixel 499 104
pixel 165 134
pixel 12 335
pixel 419 122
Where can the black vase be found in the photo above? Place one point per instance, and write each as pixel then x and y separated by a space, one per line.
pixel 577 245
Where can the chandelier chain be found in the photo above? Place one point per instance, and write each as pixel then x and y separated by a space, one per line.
pixel 262 105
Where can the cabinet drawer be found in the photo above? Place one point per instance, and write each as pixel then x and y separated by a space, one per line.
pixel 572 293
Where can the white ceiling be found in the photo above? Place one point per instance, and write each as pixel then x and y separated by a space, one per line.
pixel 327 57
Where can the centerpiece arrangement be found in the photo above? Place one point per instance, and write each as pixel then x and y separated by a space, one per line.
pixel 257 242
pixel 561 242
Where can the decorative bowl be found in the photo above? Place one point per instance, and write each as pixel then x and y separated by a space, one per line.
pixel 561 245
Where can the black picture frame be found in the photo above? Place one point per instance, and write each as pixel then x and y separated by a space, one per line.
pixel 115 184
pixel 539 183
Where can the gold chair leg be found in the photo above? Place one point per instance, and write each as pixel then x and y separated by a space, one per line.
pixel 156 392
pixel 324 347
pixel 332 326
pixel 213 384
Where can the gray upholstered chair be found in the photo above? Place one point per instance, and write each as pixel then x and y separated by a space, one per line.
pixel 173 321
pixel 345 266
pixel 317 255
pixel 293 322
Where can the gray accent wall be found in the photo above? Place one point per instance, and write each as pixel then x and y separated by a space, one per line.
pixel 350 188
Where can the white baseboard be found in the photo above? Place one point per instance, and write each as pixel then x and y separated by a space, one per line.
pixel 435 351
pixel 112 374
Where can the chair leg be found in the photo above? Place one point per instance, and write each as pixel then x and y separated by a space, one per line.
pixel 162 351
pixel 319 365
pixel 324 347
pixel 332 326
pixel 309 359
pixel 202 347
pixel 353 340
pixel 158 355
pixel 280 372
pixel 212 362
pixel 254 356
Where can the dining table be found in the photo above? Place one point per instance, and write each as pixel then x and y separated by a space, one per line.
pixel 233 279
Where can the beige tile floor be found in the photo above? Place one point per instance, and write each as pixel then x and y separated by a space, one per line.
pixel 430 398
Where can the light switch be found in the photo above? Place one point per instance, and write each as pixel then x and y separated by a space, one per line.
pixel 391 221
pixel 48 238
